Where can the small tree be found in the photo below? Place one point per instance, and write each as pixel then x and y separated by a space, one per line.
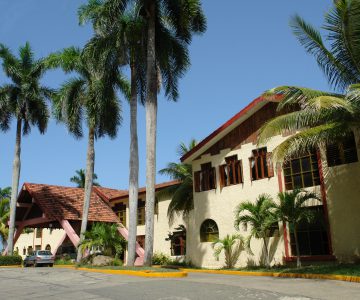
pixel 232 245
pixel 260 217
pixel 291 209
pixel 106 237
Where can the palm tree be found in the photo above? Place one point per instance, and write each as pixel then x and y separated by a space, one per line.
pixel 79 179
pixel 260 217
pixel 106 237
pixel 122 36
pixel 182 198
pixel 5 195
pixel 184 18
pixel 291 209
pixel 324 117
pixel 174 24
pixel 90 96
pixel 232 245
pixel 24 99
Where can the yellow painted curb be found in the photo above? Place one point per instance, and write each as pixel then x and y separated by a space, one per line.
pixel 13 266
pixel 131 272
pixel 284 275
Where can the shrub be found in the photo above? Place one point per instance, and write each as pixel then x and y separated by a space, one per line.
pixel 10 260
pixel 117 262
pixel 160 259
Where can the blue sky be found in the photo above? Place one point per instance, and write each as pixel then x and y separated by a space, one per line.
pixel 247 49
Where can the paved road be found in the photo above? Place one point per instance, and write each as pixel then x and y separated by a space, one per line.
pixel 64 284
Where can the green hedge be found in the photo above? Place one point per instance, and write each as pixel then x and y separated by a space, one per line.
pixel 10 260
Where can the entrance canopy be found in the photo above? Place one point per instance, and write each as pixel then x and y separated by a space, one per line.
pixel 51 206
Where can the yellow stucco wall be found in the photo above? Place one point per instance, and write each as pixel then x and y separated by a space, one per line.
pixel 220 206
pixel 343 201
pixel 49 237
pixel 161 225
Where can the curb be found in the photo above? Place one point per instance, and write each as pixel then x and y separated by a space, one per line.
pixel 283 275
pixel 131 272
pixel 12 266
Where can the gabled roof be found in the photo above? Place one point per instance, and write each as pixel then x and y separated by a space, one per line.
pixel 236 120
pixel 66 203
pixel 109 194
pixel 142 190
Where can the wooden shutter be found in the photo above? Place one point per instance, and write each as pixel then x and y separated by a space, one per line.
pixel 241 172
pixel 197 181
pixel 270 165
pixel 214 177
pixel 222 176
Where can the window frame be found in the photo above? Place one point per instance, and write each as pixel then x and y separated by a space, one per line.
pixel 141 213
pixel 342 153
pixel 266 165
pixel 314 172
pixel 207 236
pixel 231 173
pixel 181 235
pixel 205 179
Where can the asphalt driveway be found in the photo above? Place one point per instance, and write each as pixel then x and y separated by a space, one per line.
pixel 53 283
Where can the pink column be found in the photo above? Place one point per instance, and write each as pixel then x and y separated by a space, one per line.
pixel 74 238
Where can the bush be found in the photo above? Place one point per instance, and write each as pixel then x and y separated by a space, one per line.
pixel 117 262
pixel 10 260
pixel 160 259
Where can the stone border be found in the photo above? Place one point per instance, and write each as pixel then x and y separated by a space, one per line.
pixel 347 278
pixel 179 274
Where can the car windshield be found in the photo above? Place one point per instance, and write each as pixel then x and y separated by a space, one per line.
pixel 44 253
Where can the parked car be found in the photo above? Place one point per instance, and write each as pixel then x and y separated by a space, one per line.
pixel 39 257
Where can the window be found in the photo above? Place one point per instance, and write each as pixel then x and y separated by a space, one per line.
pixel 231 172
pixel 302 172
pixel 141 213
pixel 120 210
pixel 341 153
pixel 39 233
pixel 24 251
pixel 205 179
pixel 260 164
pixel 48 247
pixel 209 231
pixel 37 247
pixel 312 237
pixel 178 243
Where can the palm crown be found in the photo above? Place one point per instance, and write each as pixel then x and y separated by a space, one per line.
pixel 90 96
pixel 323 117
pixel 25 98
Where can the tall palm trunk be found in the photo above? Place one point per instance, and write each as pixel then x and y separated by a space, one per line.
pixel 151 119
pixel 298 261
pixel 90 161
pixel 266 253
pixel 14 187
pixel 134 170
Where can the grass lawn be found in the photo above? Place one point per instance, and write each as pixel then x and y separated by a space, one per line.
pixel 341 269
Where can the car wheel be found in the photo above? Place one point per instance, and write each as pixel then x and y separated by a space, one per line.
pixel 51 265
pixel 25 265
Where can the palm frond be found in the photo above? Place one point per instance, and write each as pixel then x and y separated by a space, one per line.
pixel 309 139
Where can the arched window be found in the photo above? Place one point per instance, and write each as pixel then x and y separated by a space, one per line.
pixel 48 247
pixel 209 231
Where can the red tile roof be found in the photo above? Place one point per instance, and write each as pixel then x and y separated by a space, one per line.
pixel 109 194
pixel 61 202
pixel 125 194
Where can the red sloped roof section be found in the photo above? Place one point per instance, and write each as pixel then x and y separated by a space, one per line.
pixel 61 202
